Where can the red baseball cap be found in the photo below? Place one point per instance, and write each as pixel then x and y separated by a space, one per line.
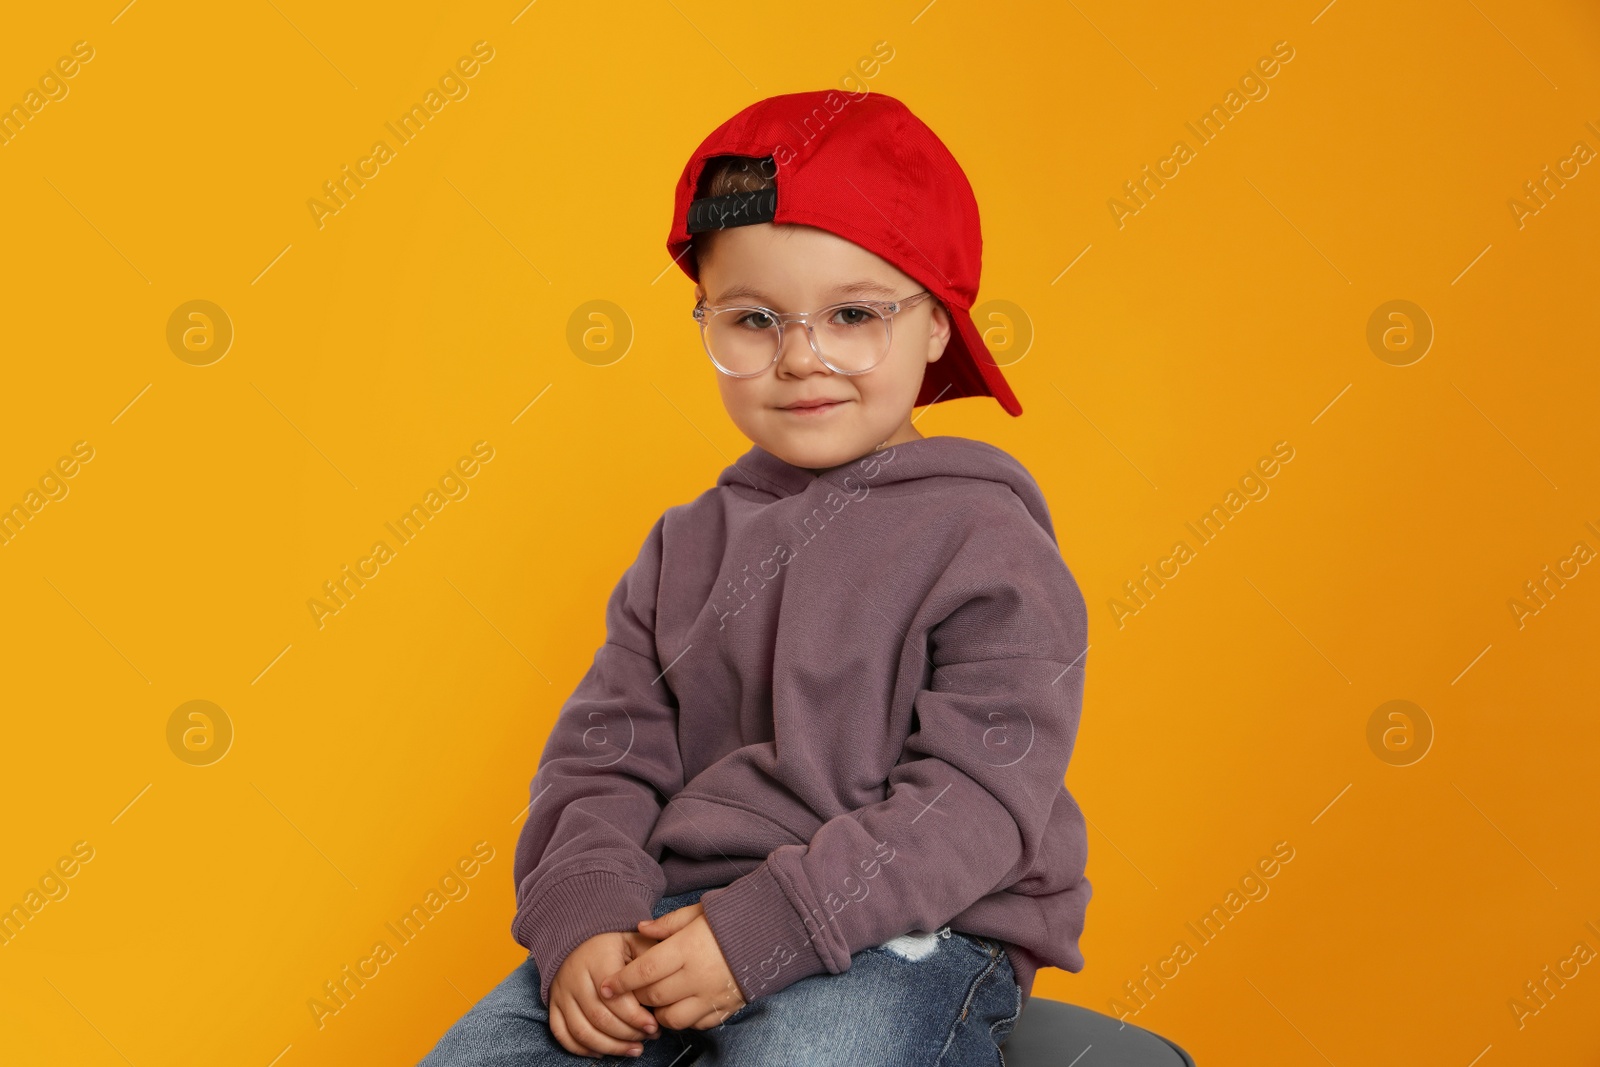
pixel 865 168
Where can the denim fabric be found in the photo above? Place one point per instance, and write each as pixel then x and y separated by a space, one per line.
pixel 945 998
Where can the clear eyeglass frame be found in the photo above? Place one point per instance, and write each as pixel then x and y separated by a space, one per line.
pixel 886 309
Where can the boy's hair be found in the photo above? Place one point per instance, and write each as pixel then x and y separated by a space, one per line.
pixel 736 174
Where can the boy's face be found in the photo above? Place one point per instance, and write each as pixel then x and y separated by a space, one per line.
pixel 803 268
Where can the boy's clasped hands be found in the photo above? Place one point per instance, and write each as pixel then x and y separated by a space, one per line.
pixel 601 996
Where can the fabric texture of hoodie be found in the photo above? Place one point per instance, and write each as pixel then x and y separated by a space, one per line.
pixel 848 700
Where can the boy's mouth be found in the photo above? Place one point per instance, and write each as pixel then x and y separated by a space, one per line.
pixel 814 406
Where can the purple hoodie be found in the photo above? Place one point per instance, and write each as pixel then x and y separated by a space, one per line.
pixel 849 700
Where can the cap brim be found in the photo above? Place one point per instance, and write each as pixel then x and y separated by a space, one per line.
pixel 966 368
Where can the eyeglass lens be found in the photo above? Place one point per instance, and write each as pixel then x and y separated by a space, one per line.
pixel 744 340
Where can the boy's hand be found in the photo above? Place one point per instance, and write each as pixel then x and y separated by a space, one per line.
pixel 684 976
pixel 582 1022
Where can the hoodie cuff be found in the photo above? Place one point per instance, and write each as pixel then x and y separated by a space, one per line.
pixel 761 935
pixel 558 919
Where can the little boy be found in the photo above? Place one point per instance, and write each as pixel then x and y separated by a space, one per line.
pixel 807 804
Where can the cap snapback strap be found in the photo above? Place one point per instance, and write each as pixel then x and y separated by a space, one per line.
pixel 734 209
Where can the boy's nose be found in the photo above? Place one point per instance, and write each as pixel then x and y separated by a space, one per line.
pixel 796 356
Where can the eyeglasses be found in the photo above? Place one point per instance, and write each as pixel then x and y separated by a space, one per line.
pixel 743 341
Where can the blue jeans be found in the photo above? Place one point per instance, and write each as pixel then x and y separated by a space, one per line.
pixel 945 998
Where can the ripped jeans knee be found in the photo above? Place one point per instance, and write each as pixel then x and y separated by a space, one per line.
pixel 915 946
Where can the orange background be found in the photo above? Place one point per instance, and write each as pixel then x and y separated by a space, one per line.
pixel 435 310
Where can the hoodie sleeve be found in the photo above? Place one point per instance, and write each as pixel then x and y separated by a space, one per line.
pixel 581 867
pixel 967 805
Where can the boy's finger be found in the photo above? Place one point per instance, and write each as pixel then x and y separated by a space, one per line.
pixel 591 1037
pixel 639 942
pixel 659 929
pixel 687 1014
pixel 652 966
pixel 671 922
pixel 558 1027
pixel 616 1016
pixel 658 995
pixel 627 1008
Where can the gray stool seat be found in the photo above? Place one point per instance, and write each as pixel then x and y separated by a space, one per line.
pixel 1053 1034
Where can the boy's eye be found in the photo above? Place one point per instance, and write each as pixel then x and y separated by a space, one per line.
pixel 853 315
pixel 756 320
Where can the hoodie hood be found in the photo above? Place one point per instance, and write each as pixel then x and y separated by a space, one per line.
pixel 762 474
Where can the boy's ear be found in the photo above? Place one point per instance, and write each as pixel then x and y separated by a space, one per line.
pixel 938 331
